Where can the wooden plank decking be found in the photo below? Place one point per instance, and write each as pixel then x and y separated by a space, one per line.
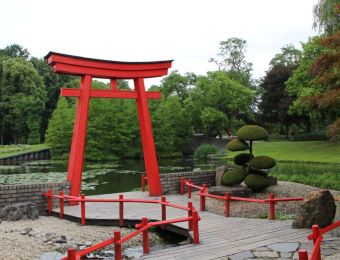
pixel 219 236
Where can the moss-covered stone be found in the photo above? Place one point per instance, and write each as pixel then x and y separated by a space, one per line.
pixel 257 182
pixel 237 145
pixel 233 177
pixel 262 162
pixel 252 132
pixel 242 158
pixel 258 171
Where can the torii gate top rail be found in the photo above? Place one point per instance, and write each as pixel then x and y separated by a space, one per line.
pixel 89 68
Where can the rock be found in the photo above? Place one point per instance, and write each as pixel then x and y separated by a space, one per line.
pixel 265 254
pixel 18 211
pixel 88 244
pixel 317 209
pixel 60 240
pixel 236 190
pixel 197 170
pixel 336 231
pixel 284 247
pixel 219 174
pixel 242 255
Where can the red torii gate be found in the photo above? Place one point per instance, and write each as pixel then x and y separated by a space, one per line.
pixel 87 69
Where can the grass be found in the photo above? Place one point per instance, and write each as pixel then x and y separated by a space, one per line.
pixel 10 150
pixel 308 151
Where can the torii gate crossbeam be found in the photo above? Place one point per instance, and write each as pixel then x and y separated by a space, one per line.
pixel 87 69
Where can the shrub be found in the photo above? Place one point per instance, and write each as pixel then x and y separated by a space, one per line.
pixel 242 159
pixel 233 177
pixel 257 182
pixel 312 136
pixel 252 133
pixel 262 162
pixel 237 145
pixel 203 150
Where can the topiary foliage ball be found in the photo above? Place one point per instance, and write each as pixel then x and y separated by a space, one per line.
pixel 237 145
pixel 262 162
pixel 257 182
pixel 259 172
pixel 233 177
pixel 242 158
pixel 252 132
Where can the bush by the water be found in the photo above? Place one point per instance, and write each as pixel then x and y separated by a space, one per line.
pixel 233 177
pixel 203 150
pixel 312 136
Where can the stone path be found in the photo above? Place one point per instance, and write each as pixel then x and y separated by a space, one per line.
pixel 220 237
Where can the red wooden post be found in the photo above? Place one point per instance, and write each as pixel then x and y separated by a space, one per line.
pixel 82 208
pixel 202 198
pixel 189 188
pixel 316 234
pixel 149 151
pixel 143 182
pixel 49 202
pixel 146 246
pixel 121 210
pixel 71 254
pixel 227 204
pixel 118 247
pixel 195 227
pixel 181 186
pixel 61 205
pixel 163 206
pixel 271 207
pixel 303 254
pixel 190 223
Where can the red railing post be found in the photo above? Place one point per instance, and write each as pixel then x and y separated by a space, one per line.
pixel 227 204
pixel 202 198
pixel 195 227
pixel 303 254
pixel 121 210
pixel 271 206
pixel 82 208
pixel 181 186
pixel 49 202
pixel 146 246
pixel 143 182
pixel 118 247
pixel 71 254
pixel 163 206
pixel 61 204
pixel 316 234
pixel 189 188
pixel 190 222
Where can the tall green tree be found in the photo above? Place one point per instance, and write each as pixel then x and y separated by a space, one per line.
pixel 289 56
pixel 327 16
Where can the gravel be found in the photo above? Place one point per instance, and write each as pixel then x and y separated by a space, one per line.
pixel 28 239
pixel 284 210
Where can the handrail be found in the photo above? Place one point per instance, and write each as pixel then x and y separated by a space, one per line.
pixel 192 220
pixel 144 179
pixel 317 238
pixel 203 193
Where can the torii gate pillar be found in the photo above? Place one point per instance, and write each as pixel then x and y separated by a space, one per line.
pixel 87 69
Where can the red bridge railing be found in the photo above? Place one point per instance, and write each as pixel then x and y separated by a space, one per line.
pixel 144 180
pixel 192 219
pixel 317 238
pixel 203 193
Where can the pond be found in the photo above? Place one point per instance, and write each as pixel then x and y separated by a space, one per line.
pixel 98 178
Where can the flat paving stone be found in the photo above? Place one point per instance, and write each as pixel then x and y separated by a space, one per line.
pixel 286 255
pixel 266 254
pixel 262 248
pixel 284 247
pixel 241 256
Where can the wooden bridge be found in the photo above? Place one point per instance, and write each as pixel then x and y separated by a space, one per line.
pixel 219 236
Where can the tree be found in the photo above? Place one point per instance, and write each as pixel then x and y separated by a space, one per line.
pixel 214 122
pixel 232 61
pixel 15 51
pixel 327 16
pixel 289 56
pixel 22 100
pixel 177 84
pixel 218 91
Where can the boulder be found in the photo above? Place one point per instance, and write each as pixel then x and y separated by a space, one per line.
pixel 318 209
pixel 236 190
pixel 219 174
pixel 18 211
pixel 336 232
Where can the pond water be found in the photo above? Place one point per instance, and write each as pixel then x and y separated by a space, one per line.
pixel 98 178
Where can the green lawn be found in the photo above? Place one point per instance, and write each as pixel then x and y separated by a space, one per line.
pixel 308 151
pixel 9 150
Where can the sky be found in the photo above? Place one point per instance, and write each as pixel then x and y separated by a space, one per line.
pixel 187 31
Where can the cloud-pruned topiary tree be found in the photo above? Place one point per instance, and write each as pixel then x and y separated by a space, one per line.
pixel 253 170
